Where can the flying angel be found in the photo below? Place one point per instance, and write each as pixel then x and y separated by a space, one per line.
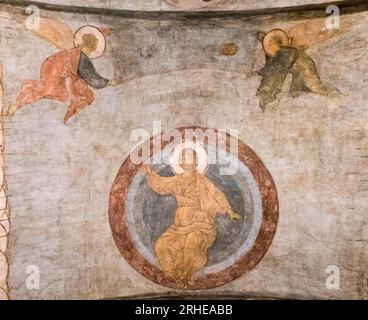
pixel 73 62
pixel 285 54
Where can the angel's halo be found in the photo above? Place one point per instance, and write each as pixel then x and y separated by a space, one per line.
pixel 275 39
pixel 101 41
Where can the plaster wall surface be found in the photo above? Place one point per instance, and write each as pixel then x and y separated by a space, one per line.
pixel 169 5
pixel 59 176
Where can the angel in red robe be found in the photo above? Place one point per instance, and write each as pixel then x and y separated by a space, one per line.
pixel 73 63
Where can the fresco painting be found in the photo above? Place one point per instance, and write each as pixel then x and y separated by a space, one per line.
pixel 278 84
pixel 202 223
pixel 73 63
pixel 285 54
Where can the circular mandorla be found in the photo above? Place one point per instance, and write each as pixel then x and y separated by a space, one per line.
pixel 183 224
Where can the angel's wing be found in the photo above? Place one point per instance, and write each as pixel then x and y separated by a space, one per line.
pixel 351 44
pixel 307 34
pixel 52 30
pixel 55 32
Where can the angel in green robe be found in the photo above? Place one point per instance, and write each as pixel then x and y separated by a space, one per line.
pixel 283 59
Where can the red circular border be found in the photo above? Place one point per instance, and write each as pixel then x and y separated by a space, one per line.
pixel 246 263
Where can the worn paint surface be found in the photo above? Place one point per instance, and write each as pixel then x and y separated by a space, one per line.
pixel 171 5
pixel 174 265
pixel 59 176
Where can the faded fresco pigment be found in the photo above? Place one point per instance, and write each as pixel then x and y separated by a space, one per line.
pixel 112 114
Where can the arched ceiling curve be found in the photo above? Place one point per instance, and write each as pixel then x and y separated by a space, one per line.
pixel 180 5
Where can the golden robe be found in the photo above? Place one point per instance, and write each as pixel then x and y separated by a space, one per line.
pixel 182 249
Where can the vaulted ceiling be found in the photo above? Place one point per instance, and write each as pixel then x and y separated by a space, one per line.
pixel 175 5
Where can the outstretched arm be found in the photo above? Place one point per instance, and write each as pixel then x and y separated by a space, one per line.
pixel 161 185
pixel 283 60
pixel 88 73
pixel 221 200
